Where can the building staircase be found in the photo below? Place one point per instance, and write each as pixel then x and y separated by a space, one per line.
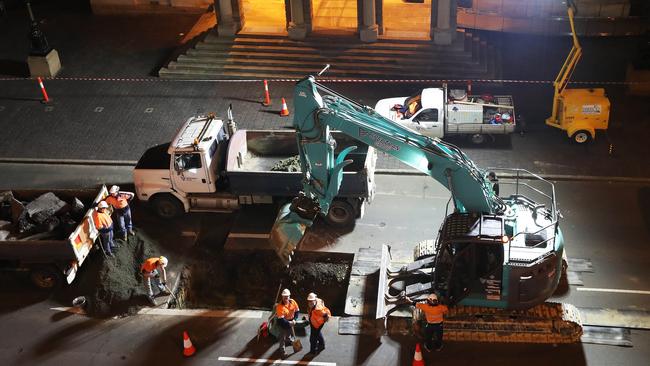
pixel 271 57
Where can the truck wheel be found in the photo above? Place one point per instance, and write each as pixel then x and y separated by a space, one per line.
pixel 46 277
pixel 341 214
pixel 166 206
pixel 477 138
pixel 581 137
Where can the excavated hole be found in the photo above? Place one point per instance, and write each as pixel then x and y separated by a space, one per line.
pixel 250 280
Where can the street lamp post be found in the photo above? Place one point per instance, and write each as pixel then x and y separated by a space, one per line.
pixel 43 60
pixel 38 45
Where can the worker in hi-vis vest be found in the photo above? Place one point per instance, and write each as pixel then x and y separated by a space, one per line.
pixel 434 314
pixel 121 211
pixel 104 224
pixel 155 268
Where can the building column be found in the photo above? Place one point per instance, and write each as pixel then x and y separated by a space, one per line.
pixel 443 21
pixel 297 28
pixel 229 17
pixel 368 30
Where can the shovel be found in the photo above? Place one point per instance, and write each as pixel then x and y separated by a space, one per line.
pixel 297 346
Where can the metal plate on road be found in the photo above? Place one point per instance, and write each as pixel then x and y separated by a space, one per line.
pixel 635 319
pixel 580 265
pixel 604 335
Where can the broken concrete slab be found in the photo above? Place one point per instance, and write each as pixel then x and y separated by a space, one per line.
pixel 5 225
pixel 4 234
pixel 44 206
pixel 17 209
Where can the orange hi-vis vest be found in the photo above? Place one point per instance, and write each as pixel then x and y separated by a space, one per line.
pixel 150 264
pixel 102 220
pixel 434 314
pixel 319 314
pixel 121 201
pixel 287 311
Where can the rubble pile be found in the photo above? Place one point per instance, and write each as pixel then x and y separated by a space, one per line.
pixel 291 164
pixel 46 217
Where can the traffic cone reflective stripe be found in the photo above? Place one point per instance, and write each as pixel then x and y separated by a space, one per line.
pixel 188 348
pixel 46 99
pixel 284 111
pixel 267 97
pixel 417 357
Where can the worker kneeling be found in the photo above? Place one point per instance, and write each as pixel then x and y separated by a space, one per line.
pixel 433 312
pixel 155 268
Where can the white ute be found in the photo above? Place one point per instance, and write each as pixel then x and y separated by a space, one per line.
pixel 438 113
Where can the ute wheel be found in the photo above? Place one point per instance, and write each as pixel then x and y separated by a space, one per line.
pixel 581 137
pixel 477 138
pixel 166 206
pixel 46 277
pixel 341 214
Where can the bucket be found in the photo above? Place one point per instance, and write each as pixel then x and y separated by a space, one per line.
pixel 79 302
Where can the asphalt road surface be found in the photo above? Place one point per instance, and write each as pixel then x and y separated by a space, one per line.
pixel 606 223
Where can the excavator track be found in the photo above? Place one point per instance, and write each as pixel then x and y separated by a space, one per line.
pixel 545 323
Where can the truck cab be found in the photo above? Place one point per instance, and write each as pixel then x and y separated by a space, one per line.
pixel 428 118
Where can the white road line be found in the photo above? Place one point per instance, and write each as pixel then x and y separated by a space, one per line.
pixel 622 291
pixel 205 313
pixel 277 362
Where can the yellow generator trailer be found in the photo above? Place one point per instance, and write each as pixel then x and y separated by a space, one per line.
pixel 579 112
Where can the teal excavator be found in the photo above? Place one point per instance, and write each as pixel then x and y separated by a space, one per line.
pixel 497 258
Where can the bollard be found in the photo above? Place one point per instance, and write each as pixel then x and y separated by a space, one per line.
pixel 469 87
pixel 46 99
pixel 267 97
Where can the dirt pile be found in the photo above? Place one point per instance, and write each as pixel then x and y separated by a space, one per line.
pixel 113 286
pixel 291 164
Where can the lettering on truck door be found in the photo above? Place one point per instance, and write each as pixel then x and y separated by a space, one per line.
pixel 190 175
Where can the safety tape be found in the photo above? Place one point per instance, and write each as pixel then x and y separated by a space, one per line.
pixel 330 80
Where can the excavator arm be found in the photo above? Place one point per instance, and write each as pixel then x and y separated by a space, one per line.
pixel 318 110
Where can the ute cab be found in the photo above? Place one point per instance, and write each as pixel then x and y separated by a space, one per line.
pixel 428 118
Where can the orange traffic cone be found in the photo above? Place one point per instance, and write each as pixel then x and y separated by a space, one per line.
pixel 267 97
pixel 188 348
pixel 284 111
pixel 417 357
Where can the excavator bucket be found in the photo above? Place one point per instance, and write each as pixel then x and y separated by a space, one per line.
pixel 287 232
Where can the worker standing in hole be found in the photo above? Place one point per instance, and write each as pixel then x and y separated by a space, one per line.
pixel 286 312
pixel 434 314
pixel 319 314
pixel 155 268
pixel 104 224
pixel 120 202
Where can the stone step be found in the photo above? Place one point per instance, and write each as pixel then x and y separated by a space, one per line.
pixel 458 43
pixel 397 65
pixel 228 69
pixel 413 61
pixel 276 52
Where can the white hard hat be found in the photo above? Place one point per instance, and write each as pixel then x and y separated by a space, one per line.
pixel 311 297
pixel 114 189
pixel 163 261
pixel 286 292
pixel 102 204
